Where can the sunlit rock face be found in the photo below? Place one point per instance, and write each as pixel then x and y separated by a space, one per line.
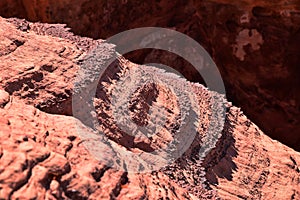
pixel 255 45
pixel 44 154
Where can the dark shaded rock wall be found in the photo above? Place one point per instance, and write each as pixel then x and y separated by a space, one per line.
pixel 255 44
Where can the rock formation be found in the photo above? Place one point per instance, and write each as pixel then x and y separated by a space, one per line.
pixel 255 45
pixel 42 156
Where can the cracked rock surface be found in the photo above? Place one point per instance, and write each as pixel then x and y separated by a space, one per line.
pixel 42 156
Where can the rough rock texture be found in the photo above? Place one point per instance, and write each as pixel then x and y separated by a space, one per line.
pixel 255 45
pixel 43 157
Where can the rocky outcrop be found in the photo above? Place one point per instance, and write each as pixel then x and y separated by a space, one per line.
pixel 255 45
pixel 42 155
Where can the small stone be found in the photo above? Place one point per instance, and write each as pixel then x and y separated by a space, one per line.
pixel 4 98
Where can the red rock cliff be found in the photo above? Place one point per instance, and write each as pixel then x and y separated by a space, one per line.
pixel 255 44
pixel 43 157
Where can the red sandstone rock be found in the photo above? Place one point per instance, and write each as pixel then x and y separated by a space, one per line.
pixel 42 156
pixel 255 45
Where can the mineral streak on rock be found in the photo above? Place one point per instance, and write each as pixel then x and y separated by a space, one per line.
pixel 42 156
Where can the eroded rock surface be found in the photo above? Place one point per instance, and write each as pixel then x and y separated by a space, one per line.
pixel 42 156
pixel 255 45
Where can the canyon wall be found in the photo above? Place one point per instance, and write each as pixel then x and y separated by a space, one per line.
pixel 254 43
pixel 43 156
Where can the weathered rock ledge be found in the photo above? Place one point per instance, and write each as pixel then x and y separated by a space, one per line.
pixel 43 157
pixel 255 44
